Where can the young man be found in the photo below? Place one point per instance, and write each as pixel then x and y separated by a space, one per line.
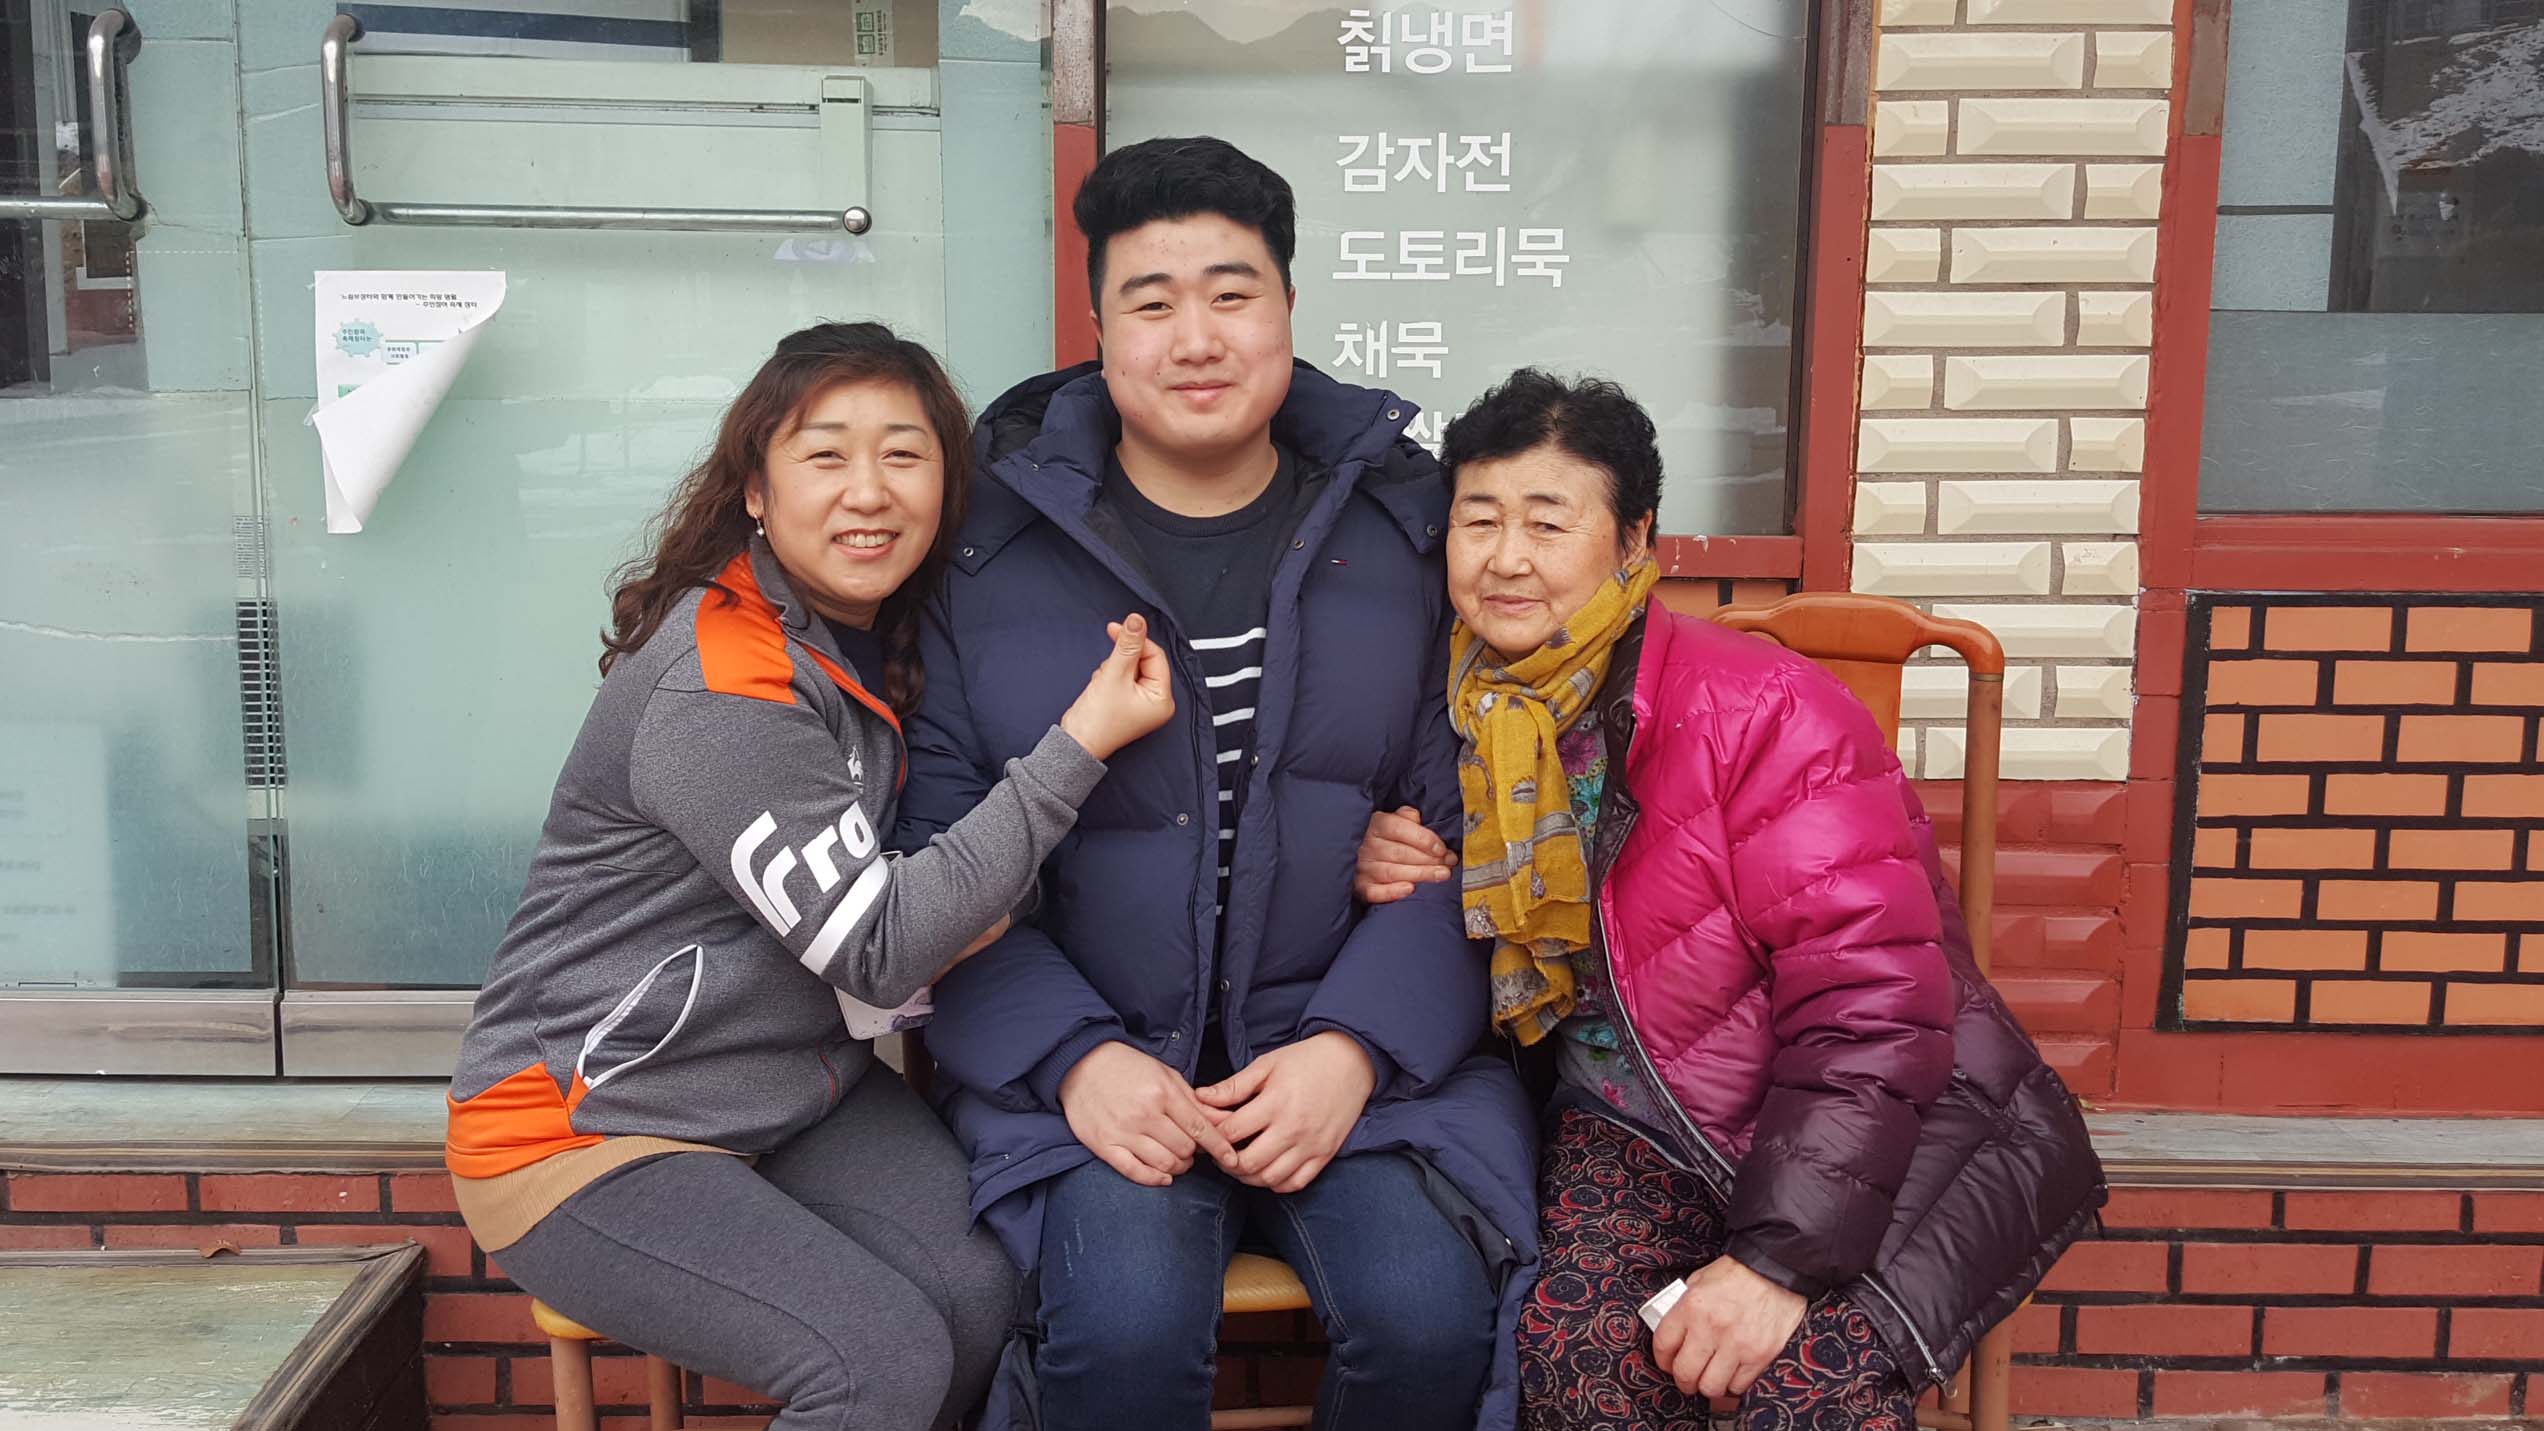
pixel 1200 1040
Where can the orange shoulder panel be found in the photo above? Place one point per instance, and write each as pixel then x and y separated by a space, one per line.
pixel 515 1123
pixel 741 645
pixel 742 648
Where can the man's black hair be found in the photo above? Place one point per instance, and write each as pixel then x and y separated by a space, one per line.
pixel 1590 418
pixel 1161 179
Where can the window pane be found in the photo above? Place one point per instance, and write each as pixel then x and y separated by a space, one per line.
pixel 2379 296
pixel 1603 186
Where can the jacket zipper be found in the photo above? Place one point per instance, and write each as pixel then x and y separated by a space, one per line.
pixel 1724 1175
pixel 1205 750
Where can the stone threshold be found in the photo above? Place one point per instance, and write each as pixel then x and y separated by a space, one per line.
pixel 135 1124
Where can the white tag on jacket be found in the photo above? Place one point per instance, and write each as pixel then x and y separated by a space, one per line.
pixel 867 1021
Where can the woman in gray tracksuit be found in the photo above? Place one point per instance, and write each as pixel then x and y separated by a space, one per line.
pixel 667 1117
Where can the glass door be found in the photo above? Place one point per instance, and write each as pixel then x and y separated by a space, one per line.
pixel 136 805
pixel 630 171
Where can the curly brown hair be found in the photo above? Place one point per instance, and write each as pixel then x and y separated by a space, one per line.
pixel 704 526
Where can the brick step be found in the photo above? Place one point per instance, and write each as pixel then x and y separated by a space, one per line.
pixel 2082 1060
pixel 2045 939
pixel 2037 812
pixel 2051 876
pixel 2061 1001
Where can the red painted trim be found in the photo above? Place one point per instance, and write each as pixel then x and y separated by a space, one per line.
pixel 1074 150
pixel 1841 218
pixel 2178 547
pixel 2186 249
pixel 2355 552
pixel 1732 558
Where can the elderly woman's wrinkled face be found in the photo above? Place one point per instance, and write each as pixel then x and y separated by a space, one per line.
pixel 1530 539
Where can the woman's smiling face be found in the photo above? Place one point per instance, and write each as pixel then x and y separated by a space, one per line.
pixel 1531 536
pixel 851 497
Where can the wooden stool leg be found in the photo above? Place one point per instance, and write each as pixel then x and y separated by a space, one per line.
pixel 1991 1380
pixel 570 1371
pixel 662 1384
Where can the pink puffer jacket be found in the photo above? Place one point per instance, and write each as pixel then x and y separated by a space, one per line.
pixel 1791 963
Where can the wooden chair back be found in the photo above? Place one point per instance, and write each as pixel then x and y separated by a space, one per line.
pixel 1865 641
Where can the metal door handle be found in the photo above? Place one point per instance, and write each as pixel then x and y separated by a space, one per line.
pixel 113 40
pixel 334 108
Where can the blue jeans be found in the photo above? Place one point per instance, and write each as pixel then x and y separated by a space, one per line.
pixel 1131 1281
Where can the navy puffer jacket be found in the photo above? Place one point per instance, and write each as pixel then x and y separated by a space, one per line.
pixel 1352 718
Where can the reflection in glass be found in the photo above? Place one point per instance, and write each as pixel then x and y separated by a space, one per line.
pixel 1609 186
pixel 437 665
pixel 2379 295
pixel 134 848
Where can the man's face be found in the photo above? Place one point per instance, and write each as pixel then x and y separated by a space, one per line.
pixel 1196 331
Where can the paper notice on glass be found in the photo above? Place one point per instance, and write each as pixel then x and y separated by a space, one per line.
pixel 390 344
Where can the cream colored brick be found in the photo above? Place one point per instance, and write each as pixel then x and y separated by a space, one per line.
pixel 2101 631
pixel 1918 12
pixel 2115 320
pixel 2057 506
pixel 2133 59
pixel 2037 753
pixel 1944 752
pixel 2061 381
pixel 2006 127
pixel 1952 568
pixel 1907 748
pixel 1941 691
pixel 1979 62
pixel 2068 255
pixel 1965 320
pixel 2071 12
pixel 1957 444
pixel 1974 191
pixel 1904 256
pixel 2093 693
pixel 2124 191
pixel 1912 127
pixel 1890 509
pixel 2106 444
pixel 1894 381
pixel 2066 753
pixel 2098 569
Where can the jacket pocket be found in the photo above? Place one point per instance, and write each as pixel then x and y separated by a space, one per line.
pixel 635 1015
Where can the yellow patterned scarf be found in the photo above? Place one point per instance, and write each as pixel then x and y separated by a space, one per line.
pixel 1527 879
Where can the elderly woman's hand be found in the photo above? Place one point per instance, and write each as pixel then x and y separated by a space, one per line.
pixel 1726 1331
pixel 1397 853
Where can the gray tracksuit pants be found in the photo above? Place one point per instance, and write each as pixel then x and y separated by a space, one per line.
pixel 840 1275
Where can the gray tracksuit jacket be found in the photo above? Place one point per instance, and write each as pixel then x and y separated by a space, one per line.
pixel 710 893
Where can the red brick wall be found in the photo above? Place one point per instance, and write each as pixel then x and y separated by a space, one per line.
pixel 2366 835
pixel 2198 1302
pixel 2061 879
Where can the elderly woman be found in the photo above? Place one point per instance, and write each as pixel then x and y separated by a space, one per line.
pixel 1781 1084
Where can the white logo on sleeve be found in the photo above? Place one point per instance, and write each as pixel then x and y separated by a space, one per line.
pixel 764 884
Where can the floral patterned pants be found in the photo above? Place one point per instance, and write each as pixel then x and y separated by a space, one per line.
pixel 1617 1222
